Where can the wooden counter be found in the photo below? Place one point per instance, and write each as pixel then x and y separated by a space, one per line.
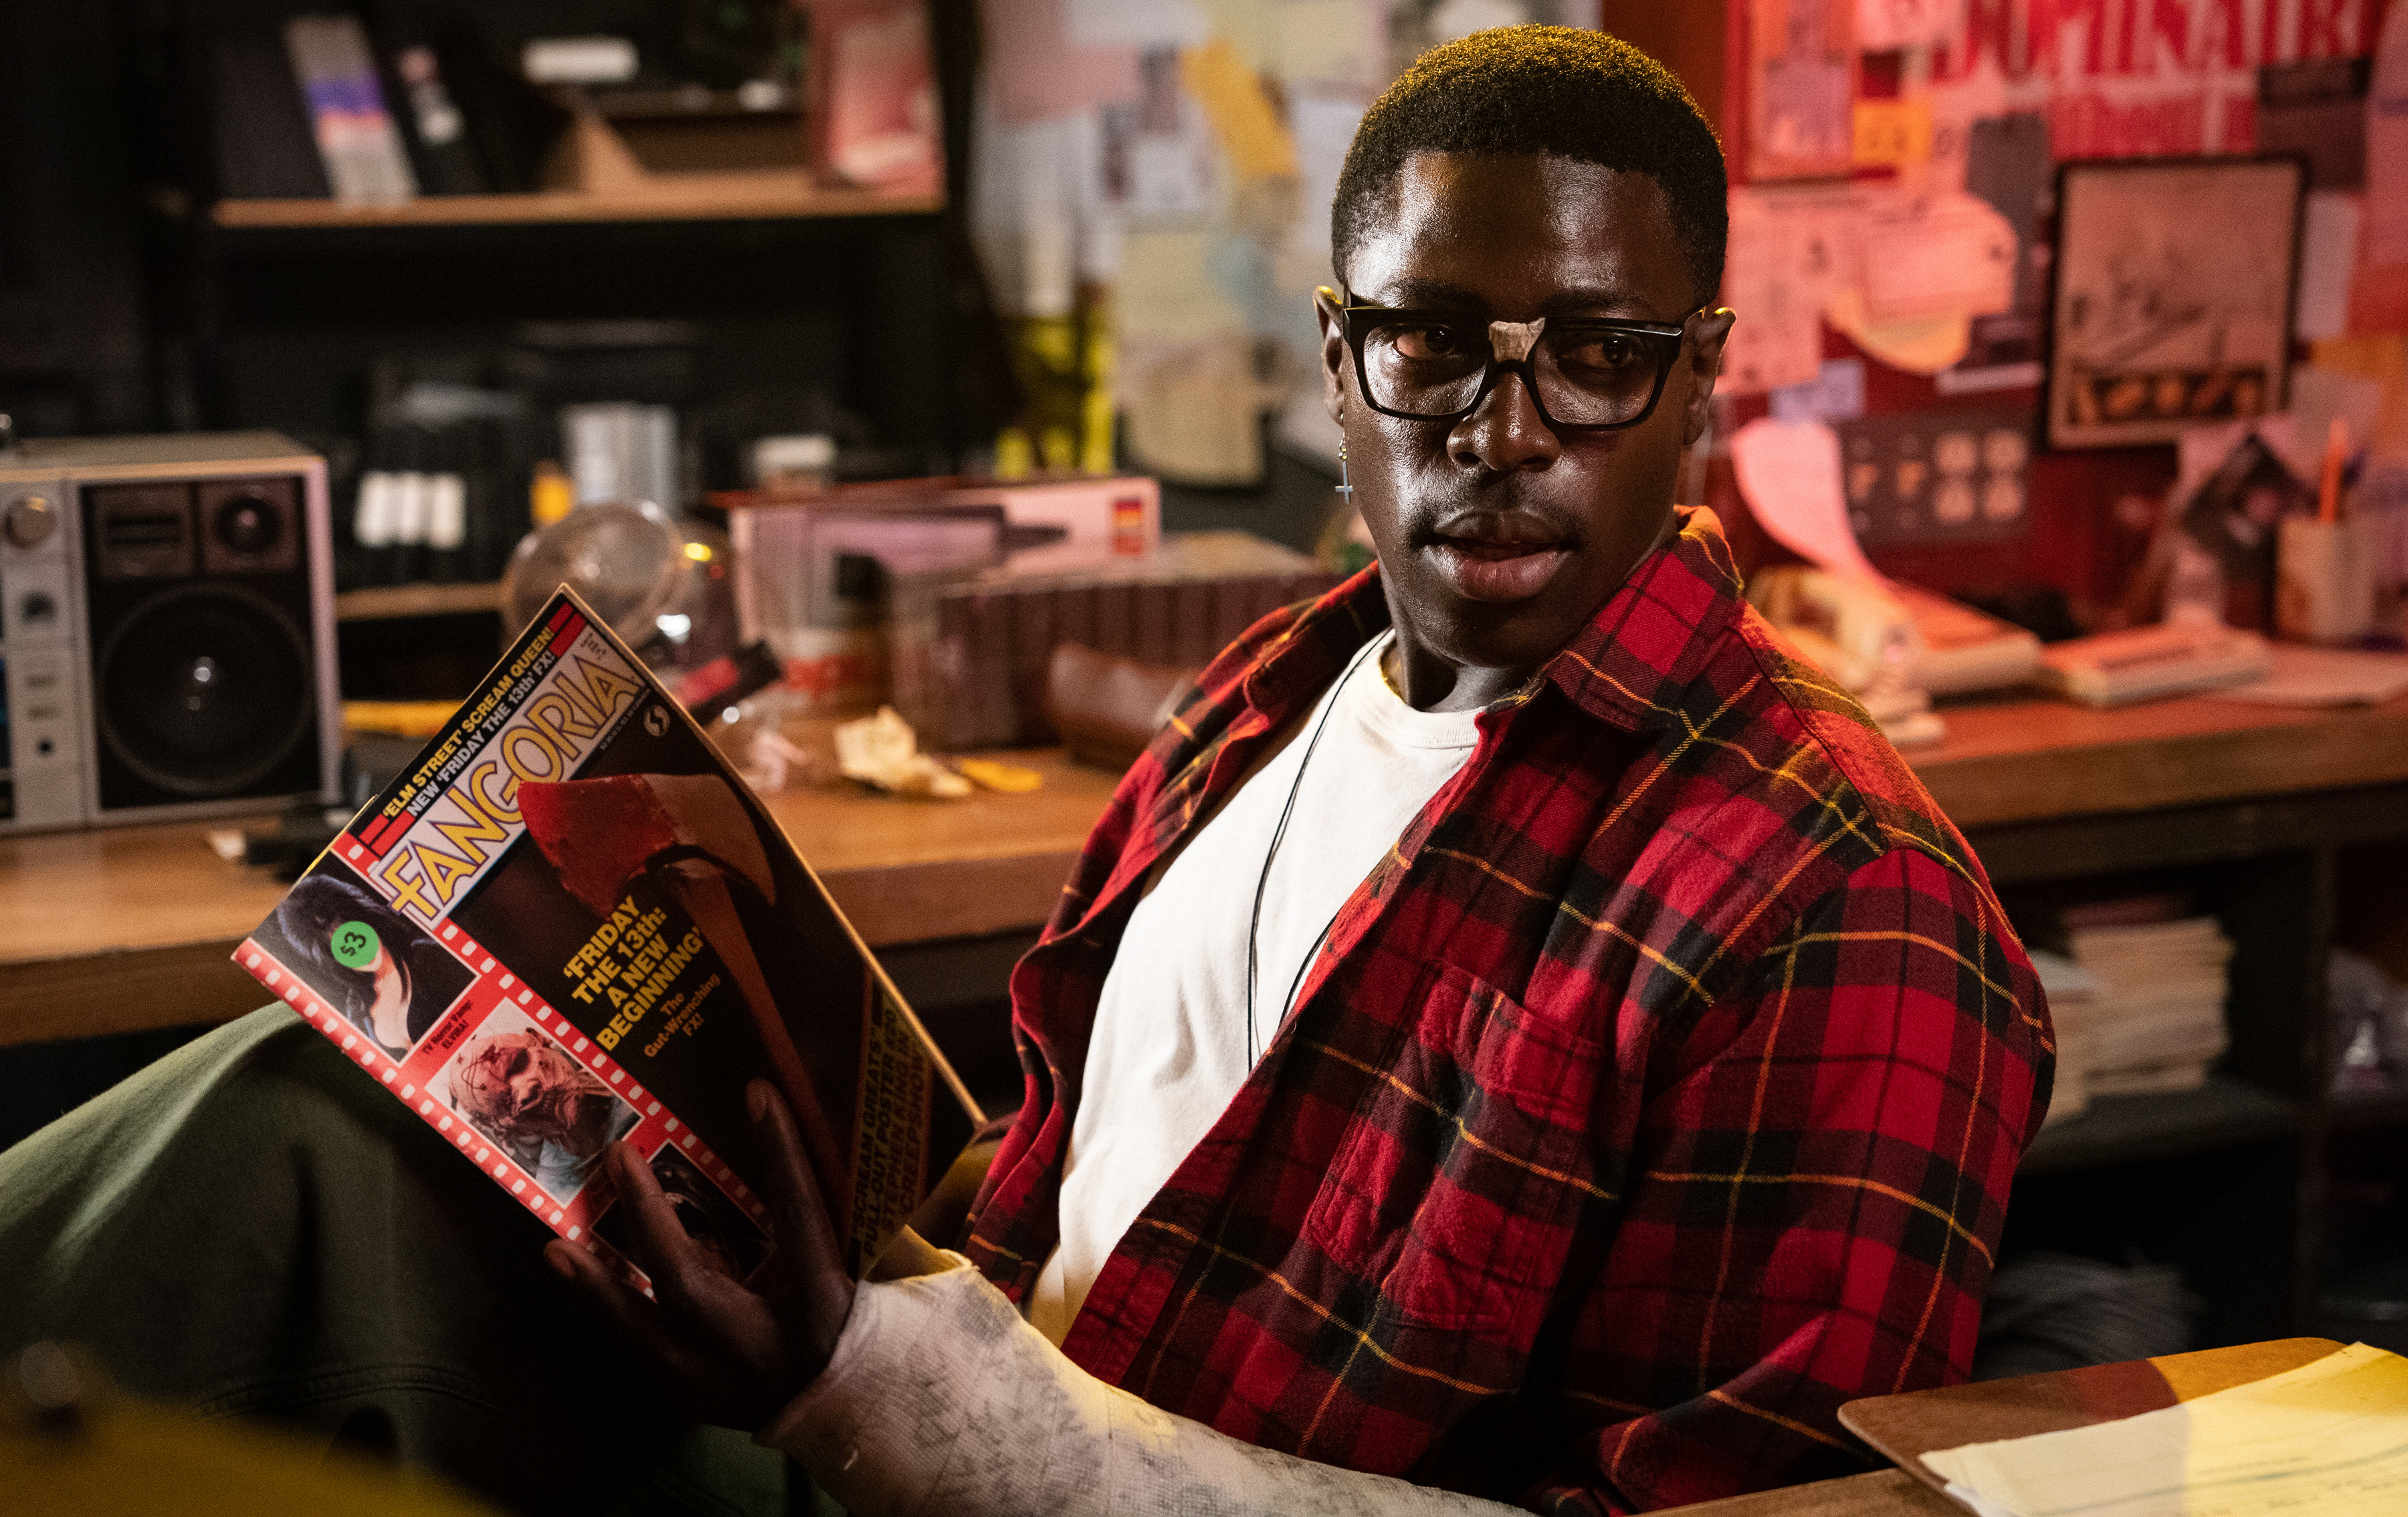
pixel 116 930
pixel 2028 761
pixel 121 929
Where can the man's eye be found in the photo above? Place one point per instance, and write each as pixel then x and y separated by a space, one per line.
pixel 1430 342
pixel 1604 353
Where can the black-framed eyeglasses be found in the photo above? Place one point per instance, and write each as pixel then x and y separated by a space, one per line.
pixel 1586 374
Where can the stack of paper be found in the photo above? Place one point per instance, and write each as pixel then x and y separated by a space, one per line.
pixel 2073 1012
pixel 2326 676
pixel 2114 669
pixel 2156 1021
pixel 2329 1438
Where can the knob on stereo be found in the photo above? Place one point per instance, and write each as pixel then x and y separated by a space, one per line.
pixel 29 521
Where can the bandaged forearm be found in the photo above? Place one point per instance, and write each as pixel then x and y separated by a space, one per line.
pixel 940 1399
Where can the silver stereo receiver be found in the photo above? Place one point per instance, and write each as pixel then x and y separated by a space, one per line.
pixel 166 629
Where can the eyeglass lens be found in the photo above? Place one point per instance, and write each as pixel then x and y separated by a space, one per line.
pixel 1585 376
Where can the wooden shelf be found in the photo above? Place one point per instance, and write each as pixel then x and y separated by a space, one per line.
pixel 385 603
pixel 754 195
pixel 2018 760
pixel 2118 1129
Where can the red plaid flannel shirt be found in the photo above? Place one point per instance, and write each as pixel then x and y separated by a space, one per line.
pixel 1657 1093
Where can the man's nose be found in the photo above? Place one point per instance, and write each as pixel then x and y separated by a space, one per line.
pixel 1505 432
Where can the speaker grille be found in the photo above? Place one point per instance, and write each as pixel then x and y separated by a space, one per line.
pixel 205 689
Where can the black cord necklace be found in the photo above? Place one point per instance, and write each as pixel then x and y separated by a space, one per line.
pixel 1255 923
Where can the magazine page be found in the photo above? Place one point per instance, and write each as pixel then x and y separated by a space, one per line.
pixel 570 923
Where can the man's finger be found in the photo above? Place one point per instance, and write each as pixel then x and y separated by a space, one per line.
pixel 660 1242
pixel 702 1381
pixel 811 1257
pixel 623 1303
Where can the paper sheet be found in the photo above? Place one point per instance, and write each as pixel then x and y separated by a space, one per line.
pixel 1946 256
pixel 1174 288
pixel 1325 129
pixel 2387 145
pixel 2328 256
pixel 1251 133
pixel 1135 24
pixel 1888 25
pixel 1176 174
pixel 1836 395
pixel 1038 71
pixel 1800 88
pixel 1789 474
pixel 1193 410
pixel 1334 42
pixel 1917 344
pixel 2319 395
pixel 2330 1438
pixel 1783 255
pixel 2325 677
pixel 1896 134
pixel 1451 20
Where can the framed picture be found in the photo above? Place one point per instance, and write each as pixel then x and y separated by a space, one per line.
pixel 2172 300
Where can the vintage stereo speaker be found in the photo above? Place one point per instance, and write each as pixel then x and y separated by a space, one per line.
pixel 166 629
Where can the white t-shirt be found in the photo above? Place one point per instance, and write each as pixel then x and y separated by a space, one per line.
pixel 1169 1048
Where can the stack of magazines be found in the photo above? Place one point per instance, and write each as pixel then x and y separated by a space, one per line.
pixel 2158 1018
pixel 2073 1011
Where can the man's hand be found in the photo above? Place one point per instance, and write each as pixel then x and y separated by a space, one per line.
pixel 737 1354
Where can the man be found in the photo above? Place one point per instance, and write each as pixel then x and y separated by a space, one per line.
pixel 1516 1032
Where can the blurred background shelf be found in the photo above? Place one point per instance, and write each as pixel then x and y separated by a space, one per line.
pixel 385 603
pixel 2119 1128
pixel 735 196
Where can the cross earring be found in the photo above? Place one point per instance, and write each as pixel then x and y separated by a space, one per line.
pixel 1345 486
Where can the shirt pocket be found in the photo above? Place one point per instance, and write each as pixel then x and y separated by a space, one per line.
pixel 1461 1175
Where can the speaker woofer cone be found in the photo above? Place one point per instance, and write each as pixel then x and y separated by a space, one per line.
pixel 204 690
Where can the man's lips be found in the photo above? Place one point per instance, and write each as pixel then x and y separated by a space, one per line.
pixel 1493 564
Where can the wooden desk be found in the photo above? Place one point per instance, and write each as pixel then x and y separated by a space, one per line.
pixel 2028 761
pixel 113 931
pixel 1906 1427
pixel 122 929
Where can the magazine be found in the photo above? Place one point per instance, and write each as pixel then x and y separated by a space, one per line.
pixel 569 922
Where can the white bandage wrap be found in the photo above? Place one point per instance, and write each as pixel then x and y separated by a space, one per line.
pixel 940 1399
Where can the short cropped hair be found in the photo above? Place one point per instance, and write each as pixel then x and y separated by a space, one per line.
pixel 1560 90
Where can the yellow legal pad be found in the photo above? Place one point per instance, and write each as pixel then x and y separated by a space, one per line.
pixel 2329 1438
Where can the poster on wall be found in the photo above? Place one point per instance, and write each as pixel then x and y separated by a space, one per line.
pixel 1801 87
pixel 2173 304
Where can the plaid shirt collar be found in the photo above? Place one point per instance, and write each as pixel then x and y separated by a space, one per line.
pixel 1625 666
pixel 1650 637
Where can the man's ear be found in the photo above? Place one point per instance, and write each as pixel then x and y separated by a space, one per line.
pixel 1710 332
pixel 1333 352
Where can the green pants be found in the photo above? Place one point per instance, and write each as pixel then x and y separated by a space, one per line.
pixel 253 1228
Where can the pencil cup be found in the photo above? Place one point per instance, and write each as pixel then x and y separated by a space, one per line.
pixel 2326 590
